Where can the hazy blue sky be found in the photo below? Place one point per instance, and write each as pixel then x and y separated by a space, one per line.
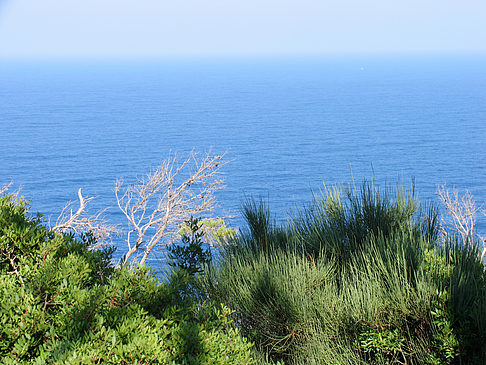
pixel 116 28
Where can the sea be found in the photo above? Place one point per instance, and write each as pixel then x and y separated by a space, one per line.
pixel 286 126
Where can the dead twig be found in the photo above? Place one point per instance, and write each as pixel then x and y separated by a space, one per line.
pixel 461 216
pixel 4 188
pixel 79 222
pixel 158 203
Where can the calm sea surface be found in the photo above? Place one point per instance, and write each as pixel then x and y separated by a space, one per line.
pixel 287 125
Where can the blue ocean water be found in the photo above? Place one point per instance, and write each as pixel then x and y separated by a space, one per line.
pixel 287 125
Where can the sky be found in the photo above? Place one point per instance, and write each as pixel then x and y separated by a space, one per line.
pixel 161 28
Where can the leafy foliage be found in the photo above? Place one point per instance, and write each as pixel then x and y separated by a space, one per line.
pixel 190 255
pixel 64 304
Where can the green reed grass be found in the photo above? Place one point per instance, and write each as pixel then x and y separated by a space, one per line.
pixel 356 278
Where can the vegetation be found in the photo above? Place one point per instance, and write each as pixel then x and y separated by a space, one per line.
pixel 155 206
pixel 360 276
pixel 64 304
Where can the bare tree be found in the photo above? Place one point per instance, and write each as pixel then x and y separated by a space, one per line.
pixel 4 188
pixel 461 215
pixel 80 221
pixel 158 203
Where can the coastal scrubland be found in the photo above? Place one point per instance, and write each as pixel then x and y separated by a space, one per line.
pixel 360 275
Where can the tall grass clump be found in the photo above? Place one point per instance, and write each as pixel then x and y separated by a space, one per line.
pixel 341 219
pixel 357 277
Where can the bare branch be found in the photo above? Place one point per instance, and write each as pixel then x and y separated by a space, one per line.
pixel 461 211
pixel 158 203
pixel 79 222
pixel 461 216
pixel 14 267
pixel 4 188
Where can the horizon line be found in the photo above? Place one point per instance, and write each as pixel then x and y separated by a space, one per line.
pixel 236 57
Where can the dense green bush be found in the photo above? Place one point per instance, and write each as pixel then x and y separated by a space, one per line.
pixel 64 304
pixel 358 277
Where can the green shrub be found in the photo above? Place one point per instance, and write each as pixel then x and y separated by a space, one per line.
pixel 64 304
pixel 189 255
pixel 361 281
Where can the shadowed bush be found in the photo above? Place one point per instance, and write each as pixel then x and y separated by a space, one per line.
pixel 356 278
